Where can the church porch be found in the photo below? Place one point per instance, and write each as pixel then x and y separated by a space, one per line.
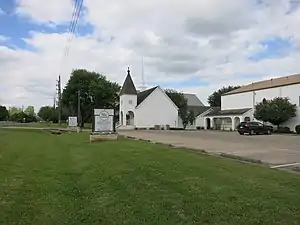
pixel 226 120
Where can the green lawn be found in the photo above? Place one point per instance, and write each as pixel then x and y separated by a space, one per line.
pixel 48 179
pixel 43 125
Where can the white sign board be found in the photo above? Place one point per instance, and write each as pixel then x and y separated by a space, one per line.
pixel 104 120
pixel 72 121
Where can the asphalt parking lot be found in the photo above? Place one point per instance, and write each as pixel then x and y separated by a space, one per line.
pixel 273 149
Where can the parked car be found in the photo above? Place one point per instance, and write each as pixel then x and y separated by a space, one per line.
pixel 254 128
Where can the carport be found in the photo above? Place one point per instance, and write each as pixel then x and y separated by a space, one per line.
pixel 226 119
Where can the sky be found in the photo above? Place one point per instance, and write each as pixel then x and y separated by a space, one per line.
pixel 195 46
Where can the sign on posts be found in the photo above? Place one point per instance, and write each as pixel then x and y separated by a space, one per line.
pixel 72 121
pixel 103 120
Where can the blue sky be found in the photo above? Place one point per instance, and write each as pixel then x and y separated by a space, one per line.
pixel 254 41
pixel 274 47
pixel 17 27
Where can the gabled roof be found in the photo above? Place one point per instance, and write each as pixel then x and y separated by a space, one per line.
pixel 141 96
pixel 128 87
pixel 193 100
pixel 272 83
pixel 198 109
pixel 227 112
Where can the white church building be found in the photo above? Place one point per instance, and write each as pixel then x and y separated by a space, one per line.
pixel 151 107
pixel 238 105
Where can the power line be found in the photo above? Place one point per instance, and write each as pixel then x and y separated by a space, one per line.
pixel 73 24
pixel 77 7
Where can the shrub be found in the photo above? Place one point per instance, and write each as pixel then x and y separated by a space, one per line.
pixel 297 128
pixel 283 130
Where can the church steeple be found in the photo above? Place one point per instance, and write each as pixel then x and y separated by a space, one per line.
pixel 128 86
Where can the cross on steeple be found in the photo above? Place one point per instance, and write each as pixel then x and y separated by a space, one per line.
pixel 128 86
pixel 128 71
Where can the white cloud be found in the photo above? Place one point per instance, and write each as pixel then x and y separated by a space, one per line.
pixel 208 41
pixel 53 12
pixel 3 38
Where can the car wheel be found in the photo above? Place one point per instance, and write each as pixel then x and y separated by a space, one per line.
pixel 269 132
pixel 241 133
pixel 252 132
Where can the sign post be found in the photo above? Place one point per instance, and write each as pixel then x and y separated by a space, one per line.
pixel 103 120
pixel 103 125
pixel 72 122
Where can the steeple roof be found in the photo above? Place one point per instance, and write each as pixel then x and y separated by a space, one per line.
pixel 128 86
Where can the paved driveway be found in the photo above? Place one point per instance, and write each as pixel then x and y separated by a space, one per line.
pixel 272 149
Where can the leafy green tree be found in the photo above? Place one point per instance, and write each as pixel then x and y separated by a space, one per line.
pixel 22 117
pixel 95 92
pixel 3 113
pixel 29 110
pixel 13 110
pixel 181 102
pixel 19 117
pixel 48 113
pixel 191 117
pixel 65 113
pixel 261 111
pixel 214 100
pixel 275 111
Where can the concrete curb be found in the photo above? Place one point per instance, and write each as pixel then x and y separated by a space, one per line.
pixel 241 158
pixel 296 168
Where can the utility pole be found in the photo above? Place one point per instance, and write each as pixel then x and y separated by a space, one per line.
pixel 78 109
pixel 59 99
pixel 54 101
pixel 253 103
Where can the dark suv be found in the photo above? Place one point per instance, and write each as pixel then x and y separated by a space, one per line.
pixel 254 128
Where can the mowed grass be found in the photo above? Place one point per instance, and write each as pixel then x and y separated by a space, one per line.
pixel 42 125
pixel 48 179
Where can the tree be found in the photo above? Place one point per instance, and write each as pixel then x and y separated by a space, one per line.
pixel 3 113
pixel 48 113
pixel 95 92
pixel 19 117
pixel 275 111
pixel 191 117
pixel 181 102
pixel 14 110
pixel 215 98
pixel 261 111
pixel 29 110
